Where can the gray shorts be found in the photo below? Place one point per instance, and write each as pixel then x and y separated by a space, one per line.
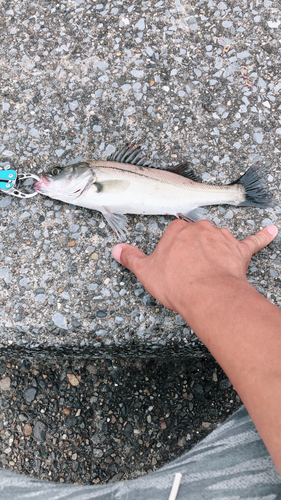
pixel 232 463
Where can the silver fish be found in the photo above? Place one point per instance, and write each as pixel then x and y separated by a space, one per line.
pixel 127 184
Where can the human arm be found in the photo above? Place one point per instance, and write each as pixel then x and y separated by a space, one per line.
pixel 200 272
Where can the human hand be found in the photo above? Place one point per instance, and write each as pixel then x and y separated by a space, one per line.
pixel 190 257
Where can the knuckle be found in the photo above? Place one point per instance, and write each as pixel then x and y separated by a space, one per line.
pixel 255 239
pixel 261 242
pixel 178 224
pixel 127 256
pixel 244 248
pixel 225 231
pixel 204 224
pixel 258 240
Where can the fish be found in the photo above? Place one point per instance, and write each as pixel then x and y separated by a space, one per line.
pixel 126 183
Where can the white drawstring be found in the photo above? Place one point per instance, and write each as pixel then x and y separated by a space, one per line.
pixel 175 487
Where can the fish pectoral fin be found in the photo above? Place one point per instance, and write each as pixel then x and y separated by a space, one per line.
pixel 194 215
pixel 114 186
pixel 117 222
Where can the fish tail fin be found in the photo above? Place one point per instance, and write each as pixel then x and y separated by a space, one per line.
pixel 256 193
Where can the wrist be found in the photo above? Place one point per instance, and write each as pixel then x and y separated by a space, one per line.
pixel 208 299
pixel 230 318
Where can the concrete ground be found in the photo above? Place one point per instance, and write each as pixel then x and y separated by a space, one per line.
pixel 197 81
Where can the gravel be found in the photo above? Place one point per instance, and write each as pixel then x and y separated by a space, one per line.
pixel 80 80
pixel 107 419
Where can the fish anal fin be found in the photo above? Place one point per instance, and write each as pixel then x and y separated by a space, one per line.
pixel 117 222
pixel 184 170
pixel 193 215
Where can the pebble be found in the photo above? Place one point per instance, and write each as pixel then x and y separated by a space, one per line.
pixel 206 425
pixel 3 367
pixel 273 24
pixel 101 314
pixel 229 214
pixel 92 369
pixel 181 441
pixel 27 430
pixel 128 430
pixel 5 202
pixel 33 132
pixel 140 227
pixel 94 256
pixel 243 55
pixel 198 388
pixel 140 24
pixel 75 323
pixel 258 137
pixel 39 431
pixel 222 6
pixel 73 380
pixel 70 422
pixel 59 320
pixel 227 24
pixel 225 383
pixel 5 384
pixel 4 271
pixel 30 394
pixel 266 222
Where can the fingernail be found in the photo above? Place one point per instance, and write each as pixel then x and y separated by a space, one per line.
pixel 272 230
pixel 116 253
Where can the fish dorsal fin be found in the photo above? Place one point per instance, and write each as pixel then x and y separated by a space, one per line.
pixel 132 154
pixel 184 170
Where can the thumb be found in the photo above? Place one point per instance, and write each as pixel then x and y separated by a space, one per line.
pixel 128 256
pixel 259 240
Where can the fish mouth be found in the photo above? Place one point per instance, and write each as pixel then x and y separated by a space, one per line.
pixel 44 181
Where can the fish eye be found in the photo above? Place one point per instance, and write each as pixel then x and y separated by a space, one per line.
pixel 56 171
